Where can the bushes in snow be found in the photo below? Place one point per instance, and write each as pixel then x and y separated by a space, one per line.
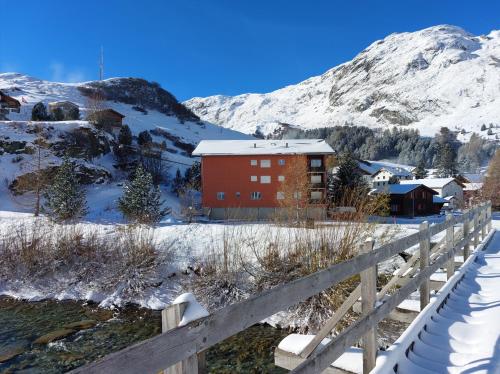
pixel 39 112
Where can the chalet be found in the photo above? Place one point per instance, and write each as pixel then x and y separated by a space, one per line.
pixel 449 189
pixel 247 178
pixel 384 175
pixel 8 103
pixel 67 107
pixel 409 199
pixel 109 119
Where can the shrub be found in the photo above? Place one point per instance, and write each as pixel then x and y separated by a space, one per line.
pixel 39 112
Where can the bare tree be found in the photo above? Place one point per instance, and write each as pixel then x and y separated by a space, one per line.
pixel 491 187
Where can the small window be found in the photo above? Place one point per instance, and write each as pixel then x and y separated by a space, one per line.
pixel 281 162
pixel 238 195
pixel 316 195
pixel 253 178
pixel 253 162
pixel 280 195
pixel 220 195
pixel 316 163
pixel 315 178
pixel 281 178
pixel 265 179
pixel 255 196
pixel 265 163
pixel 297 195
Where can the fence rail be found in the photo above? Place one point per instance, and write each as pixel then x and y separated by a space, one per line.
pixel 181 343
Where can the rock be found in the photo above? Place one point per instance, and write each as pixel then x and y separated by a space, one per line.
pixel 69 357
pixel 9 353
pixel 81 325
pixel 99 314
pixel 54 335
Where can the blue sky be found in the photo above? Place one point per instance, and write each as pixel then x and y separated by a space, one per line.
pixel 200 48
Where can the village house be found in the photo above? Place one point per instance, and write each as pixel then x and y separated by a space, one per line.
pixel 410 200
pixel 8 103
pixel 449 189
pixel 109 119
pixel 67 107
pixel 384 175
pixel 246 178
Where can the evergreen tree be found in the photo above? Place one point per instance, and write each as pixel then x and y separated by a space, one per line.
pixel 490 132
pixel 74 114
pixel 483 127
pixel 178 183
pixel 393 180
pixel 144 138
pixel 446 161
pixel 347 180
pixel 39 112
pixel 125 135
pixel 192 176
pixel 65 199
pixel 420 171
pixel 140 201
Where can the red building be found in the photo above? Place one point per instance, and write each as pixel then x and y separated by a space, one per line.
pixel 247 178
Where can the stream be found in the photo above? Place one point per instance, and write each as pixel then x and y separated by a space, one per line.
pixel 82 333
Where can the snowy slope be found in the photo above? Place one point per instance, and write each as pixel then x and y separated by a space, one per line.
pixel 439 76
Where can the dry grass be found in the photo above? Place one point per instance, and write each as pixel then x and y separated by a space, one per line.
pixel 40 250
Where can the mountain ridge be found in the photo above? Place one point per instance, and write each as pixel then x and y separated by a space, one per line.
pixel 438 76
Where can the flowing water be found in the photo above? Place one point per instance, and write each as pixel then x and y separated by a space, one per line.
pixel 22 323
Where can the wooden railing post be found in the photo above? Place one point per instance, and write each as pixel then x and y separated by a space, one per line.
pixel 425 245
pixel 489 215
pixel 368 298
pixel 170 318
pixel 450 265
pixel 476 231
pixel 484 219
pixel 466 234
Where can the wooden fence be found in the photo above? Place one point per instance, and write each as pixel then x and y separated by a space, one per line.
pixel 184 344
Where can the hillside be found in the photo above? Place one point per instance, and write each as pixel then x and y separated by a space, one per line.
pixel 146 107
pixel 439 76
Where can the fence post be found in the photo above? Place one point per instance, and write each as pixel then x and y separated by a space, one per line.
pixel 170 318
pixel 476 231
pixel 425 245
pixel 489 215
pixel 450 265
pixel 484 219
pixel 368 298
pixel 466 234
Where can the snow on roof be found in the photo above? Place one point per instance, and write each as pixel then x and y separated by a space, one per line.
pixel 373 167
pixel 399 189
pixel 432 182
pixel 262 147
pixel 439 199
pixel 472 186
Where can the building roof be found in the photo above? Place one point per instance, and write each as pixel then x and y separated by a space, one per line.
pixel 262 147
pixel 62 103
pixel 472 186
pixel 9 99
pixel 434 182
pixel 373 167
pixel 439 200
pixel 401 189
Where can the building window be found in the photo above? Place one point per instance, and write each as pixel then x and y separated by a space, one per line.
pixel 281 178
pixel 297 195
pixel 315 178
pixel 316 163
pixel 281 162
pixel 253 162
pixel 253 178
pixel 280 195
pixel 220 195
pixel 238 195
pixel 255 196
pixel 265 179
pixel 265 163
pixel 316 195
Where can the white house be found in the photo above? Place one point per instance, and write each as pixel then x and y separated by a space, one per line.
pixel 383 175
pixel 449 189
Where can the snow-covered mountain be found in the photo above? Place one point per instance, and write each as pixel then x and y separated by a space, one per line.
pixel 439 76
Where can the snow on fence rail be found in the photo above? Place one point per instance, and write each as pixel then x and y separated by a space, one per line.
pixel 186 342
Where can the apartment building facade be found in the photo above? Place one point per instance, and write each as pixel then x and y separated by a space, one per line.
pixel 250 178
